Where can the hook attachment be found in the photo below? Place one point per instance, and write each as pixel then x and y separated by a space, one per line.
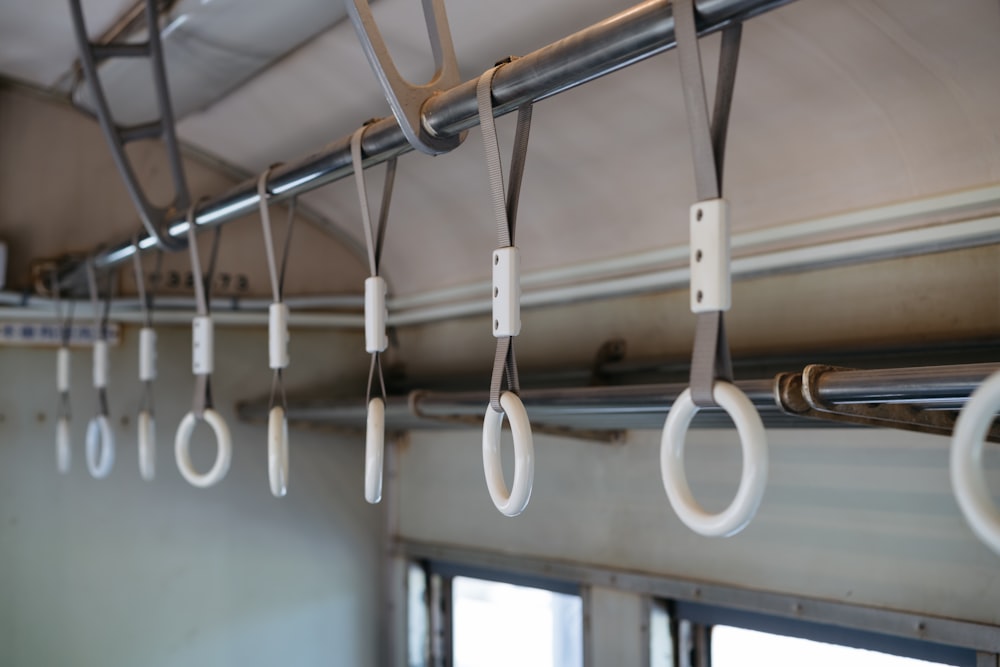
pixel 405 98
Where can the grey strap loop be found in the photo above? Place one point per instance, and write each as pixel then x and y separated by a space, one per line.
pixel 203 291
pixel 504 365
pixel 374 237
pixel 710 360
pixel 146 298
pixel 202 281
pixel 504 205
pixel 64 313
pixel 505 211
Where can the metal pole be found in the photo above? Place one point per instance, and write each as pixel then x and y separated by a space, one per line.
pixel 636 34
pixel 937 386
pixel 646 406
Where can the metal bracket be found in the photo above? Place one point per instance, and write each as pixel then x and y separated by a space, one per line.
pixel 406 99
pixel 153 218
pixel 798 394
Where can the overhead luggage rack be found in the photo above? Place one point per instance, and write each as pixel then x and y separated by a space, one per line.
pixel 638 33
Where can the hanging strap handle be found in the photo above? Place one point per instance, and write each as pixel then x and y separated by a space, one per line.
pixel 711 369
pixel 146 421
pixel 710 359
pixel 277 328
pixel 203 330
pixel 100 440
pixel 64 315
pixel 506 312
pixel 506 295
pixel 376 340
pixel 202 363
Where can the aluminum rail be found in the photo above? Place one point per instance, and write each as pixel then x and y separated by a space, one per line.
pixel 631 36
pixel 646 406
pixel 937 386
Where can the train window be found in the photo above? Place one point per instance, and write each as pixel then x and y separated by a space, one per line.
pixel 500 624
pixel 738 647
pixel 735 638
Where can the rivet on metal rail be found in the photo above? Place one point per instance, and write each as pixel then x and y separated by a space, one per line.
pixel 405 98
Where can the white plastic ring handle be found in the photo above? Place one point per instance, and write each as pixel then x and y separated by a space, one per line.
pixel 967 479
pixel 277 451
pixel 513 502
pixel 64 452
pixel 753 480
pixel 147 446
pixel 100 447
pixel 223 455
pixel 374 450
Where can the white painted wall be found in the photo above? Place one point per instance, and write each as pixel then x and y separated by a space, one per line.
pixel 863 517
pixel 122 572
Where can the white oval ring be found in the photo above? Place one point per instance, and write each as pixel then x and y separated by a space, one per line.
pixel 753 479
pixel 277 451
pixel 374 450
pixel 64 450
pixel 967 479
pixel 513 502
pixel 147 445
pixel 100 447
pixel 223 455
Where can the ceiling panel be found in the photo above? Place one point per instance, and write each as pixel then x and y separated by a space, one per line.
pixel 36 37
pixel 838 106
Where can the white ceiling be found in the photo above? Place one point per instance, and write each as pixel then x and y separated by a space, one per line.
pixel 838 106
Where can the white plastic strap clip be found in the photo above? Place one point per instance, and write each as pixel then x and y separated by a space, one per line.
pixel 277 335
pixel 62 370
pixel 100 364
pixel 506 292
pixel 202 345
pixel 376 314
pixel 711 280
pixel 147 354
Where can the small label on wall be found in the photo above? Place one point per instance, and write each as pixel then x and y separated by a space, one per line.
pixel 49 334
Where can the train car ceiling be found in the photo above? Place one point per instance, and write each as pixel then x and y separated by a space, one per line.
pixel 861 174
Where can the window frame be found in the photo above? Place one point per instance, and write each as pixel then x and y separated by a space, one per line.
pixel 913 630
pixel 713 615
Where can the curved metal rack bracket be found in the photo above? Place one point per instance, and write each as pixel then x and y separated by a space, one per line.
pixel 406 99
pixel 153 218
pixel 798 394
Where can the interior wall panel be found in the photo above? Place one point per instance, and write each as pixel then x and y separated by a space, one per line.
pixel 864 516
pixel 122 572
